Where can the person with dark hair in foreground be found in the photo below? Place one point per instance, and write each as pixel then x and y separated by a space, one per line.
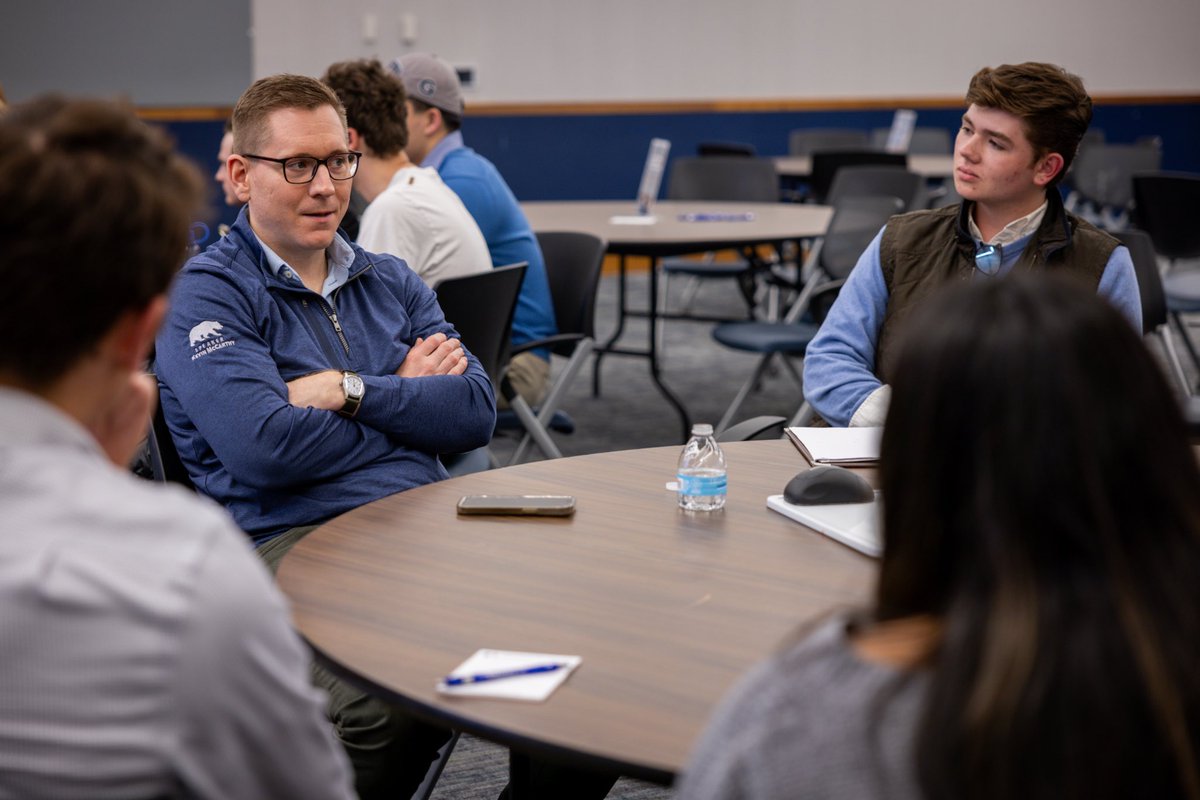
pixel 1018 137
pixel 1034 631
pixel 146 652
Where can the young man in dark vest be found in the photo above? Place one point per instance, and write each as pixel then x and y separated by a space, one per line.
pixel 1018 138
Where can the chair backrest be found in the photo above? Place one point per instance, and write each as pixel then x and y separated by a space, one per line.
pixel 856 221
pixel 481 307
pixel 1166 206
pixel 573 264
pixel 165 464
pixel 826 163
pixel 806 141
pixel 732 178
pixel 1145 266
pixel 744 149
pixel 925 141
pixel 879 180
pixel 1103 173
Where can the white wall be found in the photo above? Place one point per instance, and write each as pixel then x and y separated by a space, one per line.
pixel 622 50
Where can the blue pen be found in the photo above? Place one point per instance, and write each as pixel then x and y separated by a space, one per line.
pixel 463 680
pixel 717 216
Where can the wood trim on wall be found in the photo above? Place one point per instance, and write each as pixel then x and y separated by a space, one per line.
pixel 202 114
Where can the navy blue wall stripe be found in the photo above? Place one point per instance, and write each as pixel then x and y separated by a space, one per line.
pixel 600 157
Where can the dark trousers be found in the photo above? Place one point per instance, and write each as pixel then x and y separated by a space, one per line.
pixel 389 750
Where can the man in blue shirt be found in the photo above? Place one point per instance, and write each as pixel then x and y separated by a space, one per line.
pixel 302 377
pixel 1017 140
pixel 435 109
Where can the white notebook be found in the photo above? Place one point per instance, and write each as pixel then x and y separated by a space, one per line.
pixel 843 446
pixel 855 525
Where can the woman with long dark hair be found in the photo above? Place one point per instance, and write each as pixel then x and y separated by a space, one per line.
pixel 1036 626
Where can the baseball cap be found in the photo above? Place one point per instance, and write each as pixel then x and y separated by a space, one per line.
pixel 429 79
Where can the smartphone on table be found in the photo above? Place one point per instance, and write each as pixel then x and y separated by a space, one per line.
pixel 537 505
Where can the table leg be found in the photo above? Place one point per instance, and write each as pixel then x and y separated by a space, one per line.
pixel 651 353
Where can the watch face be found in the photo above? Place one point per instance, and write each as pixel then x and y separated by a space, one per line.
pixel 353 385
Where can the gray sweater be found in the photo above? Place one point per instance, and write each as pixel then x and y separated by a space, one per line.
pixel 814 721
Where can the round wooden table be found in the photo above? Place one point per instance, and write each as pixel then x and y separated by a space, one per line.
pixel 666 607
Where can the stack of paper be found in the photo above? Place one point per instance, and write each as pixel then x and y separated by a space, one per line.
pixel 847 447
pixel 509 675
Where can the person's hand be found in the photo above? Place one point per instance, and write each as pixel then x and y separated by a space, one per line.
pixel 319 390
pixel 124 423
pixel 437 355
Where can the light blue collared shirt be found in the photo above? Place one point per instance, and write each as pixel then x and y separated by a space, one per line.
pixel 339 256
pixel 437 155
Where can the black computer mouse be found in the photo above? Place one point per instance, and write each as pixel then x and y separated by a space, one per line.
pixel 826 486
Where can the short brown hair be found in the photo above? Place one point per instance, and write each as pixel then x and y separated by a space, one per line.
pixel 374 101
pixel 450 120
pixel 267 95
pixel 95 219
pixel 1050 102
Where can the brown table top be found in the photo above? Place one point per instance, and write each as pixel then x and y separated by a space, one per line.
pixel 667 608
pixel 671 235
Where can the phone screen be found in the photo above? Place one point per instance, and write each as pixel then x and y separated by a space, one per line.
pixel 553 505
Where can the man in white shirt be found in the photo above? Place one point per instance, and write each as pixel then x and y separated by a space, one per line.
pixel 411 213
pixel 146 651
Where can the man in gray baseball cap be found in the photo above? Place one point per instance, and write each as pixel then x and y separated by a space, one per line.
pixel 435 109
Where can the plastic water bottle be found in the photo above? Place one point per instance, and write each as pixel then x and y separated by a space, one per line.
pixel 701 472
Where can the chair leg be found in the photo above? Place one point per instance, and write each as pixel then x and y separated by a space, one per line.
pixel 1164 335
pixel 553 398
pixel 744 392
pixel 1177 318
pixel 436 768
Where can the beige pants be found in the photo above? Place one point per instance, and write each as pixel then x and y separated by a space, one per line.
pixel 528 373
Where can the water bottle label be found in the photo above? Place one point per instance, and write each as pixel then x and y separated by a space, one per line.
pixel 701 485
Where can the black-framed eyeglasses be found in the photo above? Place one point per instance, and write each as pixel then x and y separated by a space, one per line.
pixel 302 169
pixel 988 258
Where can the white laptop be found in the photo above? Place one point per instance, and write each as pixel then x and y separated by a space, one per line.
pixel 855 525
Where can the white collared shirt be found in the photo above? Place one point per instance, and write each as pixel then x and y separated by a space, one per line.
pixel 1017 229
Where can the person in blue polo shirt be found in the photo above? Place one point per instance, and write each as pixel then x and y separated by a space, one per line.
pixel 435 110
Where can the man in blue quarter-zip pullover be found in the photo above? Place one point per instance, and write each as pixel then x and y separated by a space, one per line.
pixel 1018 136
pixel 302 377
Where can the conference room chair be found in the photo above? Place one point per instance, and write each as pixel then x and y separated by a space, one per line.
pixel 715 148
pixel 481 308
pixel 1102 180
pixel 891 180
pixel 1167 206
pixel 718 178
pixel 1154 301
pixel 806 141
pixel 764 427
pixel 573 266
pixel 160 456
pixel 826 163
pixel 925 141
pixel 856 221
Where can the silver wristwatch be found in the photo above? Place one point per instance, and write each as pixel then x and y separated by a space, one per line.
pixel 354 389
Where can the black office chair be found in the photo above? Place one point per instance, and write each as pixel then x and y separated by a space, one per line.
pixel 764 427
pixel 573 265
pixel 1102 180
pixel 729 178
pixel 481 308
pixel 924 141
pixel 1154 301
pixel 806 141
pixel 856 221
pixel 874 180
pixel 713 148
pixel 826 163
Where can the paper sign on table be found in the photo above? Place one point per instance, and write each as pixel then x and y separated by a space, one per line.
pixel 535 687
